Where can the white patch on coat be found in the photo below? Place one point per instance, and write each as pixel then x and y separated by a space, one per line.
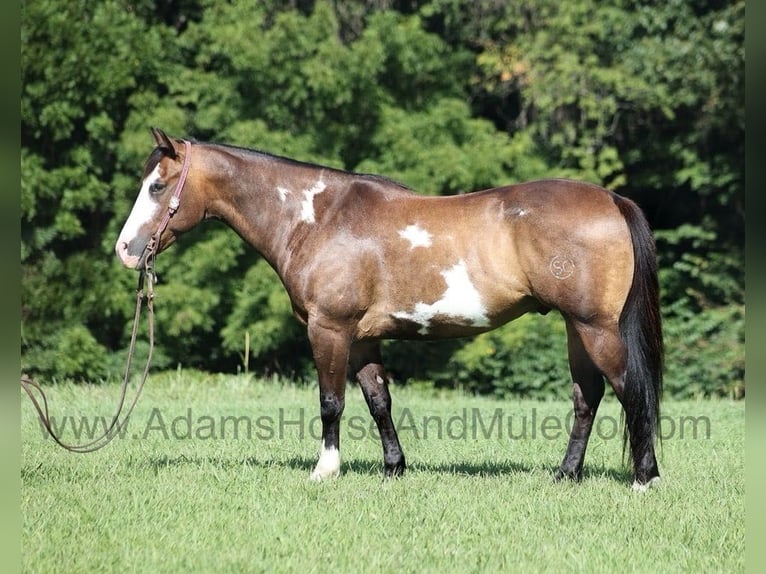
pixel 417 236
pixel 283 193
pixel 144 210
pixel 518 211
pixel 460 300
pixel 307 205
pixel 328 465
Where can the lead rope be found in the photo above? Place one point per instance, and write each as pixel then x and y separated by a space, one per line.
pixel 41 406
pixel 30 386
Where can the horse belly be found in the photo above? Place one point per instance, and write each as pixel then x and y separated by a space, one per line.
pixel 445 301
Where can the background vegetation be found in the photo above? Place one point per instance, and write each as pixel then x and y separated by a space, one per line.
pixel 446 96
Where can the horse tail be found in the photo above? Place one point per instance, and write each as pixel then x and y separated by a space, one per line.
pixel 641 331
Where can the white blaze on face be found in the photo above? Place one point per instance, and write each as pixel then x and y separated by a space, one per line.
pixel 461 300
pixel 328 465
pixel 144 210
pixel 417 236
pixel 307 205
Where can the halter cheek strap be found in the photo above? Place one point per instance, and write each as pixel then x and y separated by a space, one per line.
pixel 173 204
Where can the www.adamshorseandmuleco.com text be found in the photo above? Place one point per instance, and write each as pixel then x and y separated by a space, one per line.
pixel 464 424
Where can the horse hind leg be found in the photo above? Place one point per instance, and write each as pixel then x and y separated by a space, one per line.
pixel 605 348
pixel 587 392
pixel 367 365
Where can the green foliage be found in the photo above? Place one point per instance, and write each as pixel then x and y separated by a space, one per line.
pixel 694 272
pixel 705 352
pixel 76 71
pixel 446 96
pixel 526 358
pixel 703 305
pixel 70 353
pixel 443 150
pixel 262 310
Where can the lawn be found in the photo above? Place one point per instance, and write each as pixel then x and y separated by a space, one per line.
pixel 212 475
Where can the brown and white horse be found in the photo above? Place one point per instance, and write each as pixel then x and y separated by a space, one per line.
pixel 363 259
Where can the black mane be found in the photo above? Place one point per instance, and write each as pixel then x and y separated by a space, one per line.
pixel 300 163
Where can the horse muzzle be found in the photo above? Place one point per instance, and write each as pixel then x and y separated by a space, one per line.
pixel 136 253
pixel 126 258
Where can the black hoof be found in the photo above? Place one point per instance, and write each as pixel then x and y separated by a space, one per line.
pixel 395 470
pixel 563 475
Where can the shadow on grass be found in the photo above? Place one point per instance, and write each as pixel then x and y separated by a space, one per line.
pixel 374 467
pixel 42 473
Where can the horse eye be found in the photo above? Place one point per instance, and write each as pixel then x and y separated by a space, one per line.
pixel 156 187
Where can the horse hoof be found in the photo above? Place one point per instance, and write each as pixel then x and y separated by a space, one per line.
pixel 562 476
pixel 319 476
pixel 643 487
pixel 394 470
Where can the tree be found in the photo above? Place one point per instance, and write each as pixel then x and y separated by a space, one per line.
pixel 446 96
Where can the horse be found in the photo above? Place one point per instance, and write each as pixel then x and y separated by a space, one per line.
pixel 364 259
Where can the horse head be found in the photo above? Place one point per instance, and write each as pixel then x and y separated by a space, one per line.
pixel 161 212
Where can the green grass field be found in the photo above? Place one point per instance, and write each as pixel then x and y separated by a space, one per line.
pixel 212 476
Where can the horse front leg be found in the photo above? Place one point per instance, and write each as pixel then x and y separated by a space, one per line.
pixel 367 365
pixel 330 347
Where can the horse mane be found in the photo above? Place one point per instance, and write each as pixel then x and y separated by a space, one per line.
pixel 300 163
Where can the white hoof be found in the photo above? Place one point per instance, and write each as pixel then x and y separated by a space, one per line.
pixel 328 465
pixel 318 475
pixel 638 487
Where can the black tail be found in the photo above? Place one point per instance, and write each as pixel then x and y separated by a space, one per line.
pixel 641 332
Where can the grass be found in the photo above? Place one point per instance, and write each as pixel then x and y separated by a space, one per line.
pixel 181 492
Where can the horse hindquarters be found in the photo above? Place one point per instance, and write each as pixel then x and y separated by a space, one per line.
pixel 628 351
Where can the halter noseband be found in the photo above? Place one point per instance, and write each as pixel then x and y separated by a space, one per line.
pixel 173 204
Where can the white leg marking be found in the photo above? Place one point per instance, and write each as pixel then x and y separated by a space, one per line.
pixel 461 300
pixel 143 211
pixel 283 193
pixel 638 487
pixel 417 236
pixel 307 205
pixel 328 465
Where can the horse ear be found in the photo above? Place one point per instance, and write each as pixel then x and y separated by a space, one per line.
pixel 163 142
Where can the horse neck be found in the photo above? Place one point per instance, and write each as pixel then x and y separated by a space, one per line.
pixel 267 200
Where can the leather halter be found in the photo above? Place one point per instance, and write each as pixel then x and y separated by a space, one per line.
pixel 173 204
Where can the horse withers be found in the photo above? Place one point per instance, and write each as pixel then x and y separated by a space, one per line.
pixel 364 259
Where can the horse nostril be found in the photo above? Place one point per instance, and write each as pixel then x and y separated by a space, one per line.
pixel 122 250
